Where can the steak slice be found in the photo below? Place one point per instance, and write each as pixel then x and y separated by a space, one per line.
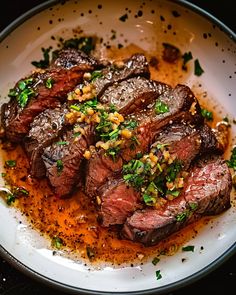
pixel 45 129
pixel 118 201
pixel 72 58
pixel 133 94
pixel 179 100
pixel 184 143
pixel 77 152
pixel 63 162
pixel 17 117
pixel 206 192
pixel 134 66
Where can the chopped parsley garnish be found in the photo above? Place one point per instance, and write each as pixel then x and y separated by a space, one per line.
pixel 135 171
pixel 130 124
pixel 188 248
pixel 10 163
pixel 57 242
pixel 226 119
pixel 155 260
pixel 114 134
pixel 75 107
pixel 10 198
pixel 84 106
pixel 173 193
pixel 20 191
pixel 95 75
pixel 150 195
pixel 182 216
pixel 23 91
pixel 59 166
pixel 62 142
pixel 158 275
pixel 112 108
pixel 113 152
pixel 187 56
pixel 43 63
pixel 49 83
pixel 232 161
pixel 198 71
pixel 193 206
pixel 3 174
pixel 207 114
pixel 161 107
pixel 173 170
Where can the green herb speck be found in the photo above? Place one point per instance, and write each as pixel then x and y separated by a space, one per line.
pixel 10 163
pixel 198 71
pixel 207 114
pixel 155 260
pixel 188 248
pixel 49 83
pixel 161 107
pixel 158 275
pixel 59 165
pixel 57 242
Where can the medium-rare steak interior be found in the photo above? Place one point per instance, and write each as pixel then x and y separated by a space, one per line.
pixel 139 149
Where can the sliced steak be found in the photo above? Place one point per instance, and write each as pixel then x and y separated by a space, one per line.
pixel 63 162
pixel 44 130
pixel 77 155
pixel 133 94
pixel 206 192
pixel 134 66
pixel 184 144
pixel 179 100
pixel 47 89
pixel 118 201
pixel 187 141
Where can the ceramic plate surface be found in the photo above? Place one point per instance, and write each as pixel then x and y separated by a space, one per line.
pixel 147 24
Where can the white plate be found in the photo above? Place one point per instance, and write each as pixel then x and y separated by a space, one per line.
pixel 191 30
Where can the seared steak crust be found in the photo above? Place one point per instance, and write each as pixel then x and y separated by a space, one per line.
pixel 16 120
pixel 44 130
pixel 184 143
pixel 134 66
pixel 133 94
pixel 64 176
pixel 206 192
pixel 179 100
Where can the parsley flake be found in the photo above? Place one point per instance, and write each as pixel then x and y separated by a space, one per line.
pixel 232 161
pixel 198 71
pixel 207 114
pixel 155 260
pixel 187 56
pixel 188 248
pixel 49 83
pixel 10 163
pixel 161 107
pixel 43 63
pixel 10 198
pixel 158 275
pixel 23 91
pixel 59 166
pixel 57 242
pixel 95 75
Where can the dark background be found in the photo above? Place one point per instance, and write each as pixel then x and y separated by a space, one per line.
pixel 218 281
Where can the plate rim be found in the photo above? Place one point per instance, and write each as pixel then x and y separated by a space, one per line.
pixel 17 264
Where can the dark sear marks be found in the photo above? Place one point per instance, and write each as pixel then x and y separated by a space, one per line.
pixel 137 147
